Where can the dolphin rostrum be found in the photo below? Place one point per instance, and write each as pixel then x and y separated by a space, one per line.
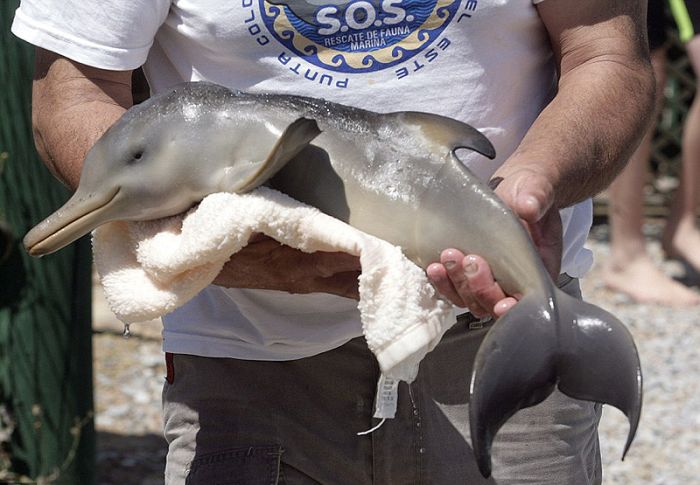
pixel 393 175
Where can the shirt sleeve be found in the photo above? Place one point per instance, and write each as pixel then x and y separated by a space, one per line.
pixel 106 35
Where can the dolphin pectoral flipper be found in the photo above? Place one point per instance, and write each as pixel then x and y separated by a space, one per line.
pixel 448 133
pixel 293 140
pixel 583 350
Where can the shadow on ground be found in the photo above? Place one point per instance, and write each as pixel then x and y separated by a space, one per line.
pixel 132 459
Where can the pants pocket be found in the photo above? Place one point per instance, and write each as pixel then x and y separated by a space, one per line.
pixel 251 465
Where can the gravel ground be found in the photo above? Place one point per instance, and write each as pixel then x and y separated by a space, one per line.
pixel 129 374
pixel 667 445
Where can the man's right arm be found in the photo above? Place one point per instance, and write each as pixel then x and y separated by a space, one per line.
pixel 72 106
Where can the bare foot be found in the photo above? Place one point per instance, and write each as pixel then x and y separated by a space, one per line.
pixel 644 282
pixel 684 244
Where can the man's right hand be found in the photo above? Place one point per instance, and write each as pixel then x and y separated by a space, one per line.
pixel 266 264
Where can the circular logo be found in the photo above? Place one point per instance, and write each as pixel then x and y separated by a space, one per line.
pixel 357 36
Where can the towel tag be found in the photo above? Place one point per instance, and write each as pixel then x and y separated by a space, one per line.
pixel 387 397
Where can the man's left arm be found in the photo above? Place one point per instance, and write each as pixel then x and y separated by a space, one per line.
pixel 576 146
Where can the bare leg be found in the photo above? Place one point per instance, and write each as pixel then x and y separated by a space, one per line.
pixel 630 268
pixel 681 236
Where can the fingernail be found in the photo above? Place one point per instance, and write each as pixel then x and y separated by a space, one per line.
pixel 533 204
pixel 495 182
pixel 449 264
pixel 501 308
pixel 471 268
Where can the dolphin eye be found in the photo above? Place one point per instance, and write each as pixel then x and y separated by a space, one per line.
pixel 135 157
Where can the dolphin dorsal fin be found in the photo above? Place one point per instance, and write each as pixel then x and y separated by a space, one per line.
pixel 447 133
pixel 293 140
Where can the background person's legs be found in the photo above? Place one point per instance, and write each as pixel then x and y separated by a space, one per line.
pixel 681 235
pixel 630 269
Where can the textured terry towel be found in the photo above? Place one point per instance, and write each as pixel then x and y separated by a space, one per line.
pixel 150 268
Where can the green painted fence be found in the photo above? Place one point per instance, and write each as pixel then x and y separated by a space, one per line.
pixel 679 93
pixel 46 404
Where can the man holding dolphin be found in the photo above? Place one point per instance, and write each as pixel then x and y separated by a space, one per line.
pixel 269 361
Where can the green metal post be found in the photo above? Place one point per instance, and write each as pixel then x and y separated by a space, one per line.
pixel 46 405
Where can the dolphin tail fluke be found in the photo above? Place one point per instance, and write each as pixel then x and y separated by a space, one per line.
pixel 600 361
pixel 514 368
pixel 588 354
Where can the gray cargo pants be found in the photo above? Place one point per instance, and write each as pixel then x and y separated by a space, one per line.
pixel 231 421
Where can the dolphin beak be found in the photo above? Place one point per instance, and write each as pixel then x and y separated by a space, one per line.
pixel 78 216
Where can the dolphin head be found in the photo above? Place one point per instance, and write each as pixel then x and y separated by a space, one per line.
pixel 167 153
pixel 133 172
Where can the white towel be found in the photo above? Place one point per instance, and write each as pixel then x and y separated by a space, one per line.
pixel 150 268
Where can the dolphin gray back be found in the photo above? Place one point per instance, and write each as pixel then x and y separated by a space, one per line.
pixel 401 167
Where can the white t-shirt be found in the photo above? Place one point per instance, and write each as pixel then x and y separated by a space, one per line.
pixel 488 63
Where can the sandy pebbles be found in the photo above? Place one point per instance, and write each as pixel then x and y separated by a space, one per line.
pixel 667 448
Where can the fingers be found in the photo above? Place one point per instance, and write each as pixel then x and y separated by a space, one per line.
pixel 482 289
pixel 547 236
pixel 529 193
pixel 503 306
pixel 441 279
pixel 467 282
pixel 530 207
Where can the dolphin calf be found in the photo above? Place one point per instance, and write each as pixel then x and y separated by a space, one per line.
pixel 392 175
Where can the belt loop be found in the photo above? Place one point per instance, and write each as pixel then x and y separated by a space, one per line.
pixel 563 280
pixel 472 322
pixel 169 368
